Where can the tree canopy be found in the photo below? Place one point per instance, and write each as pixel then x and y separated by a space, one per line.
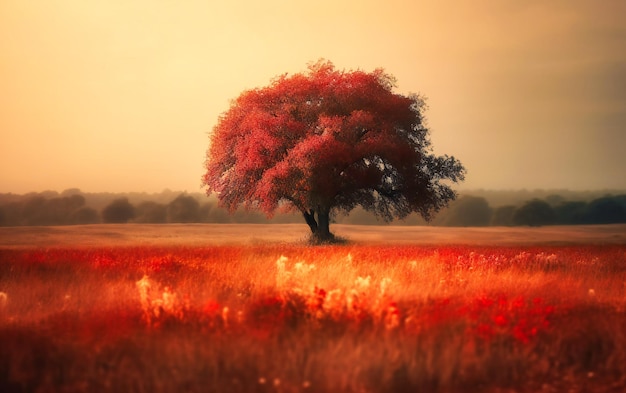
pixel 324 142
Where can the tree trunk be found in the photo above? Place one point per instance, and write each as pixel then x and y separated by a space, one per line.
pixel 320 228
pixel 309 217
pixel 323 225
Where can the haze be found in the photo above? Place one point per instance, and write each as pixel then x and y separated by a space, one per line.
pixel 122 95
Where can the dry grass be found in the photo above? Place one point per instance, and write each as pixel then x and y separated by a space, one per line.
pixel 249 234
pixel 129 309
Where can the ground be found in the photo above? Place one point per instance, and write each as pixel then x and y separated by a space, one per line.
pixel 252 308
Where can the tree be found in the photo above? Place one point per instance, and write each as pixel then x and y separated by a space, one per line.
pixel 85 215
pixel 151 212
pixel 571 212
pixel 606 210
pixel 184 208
pixel 468 211
pixel 503 216
pixel 535 213
pixel 324 142
pixel 554 199
pixel 119 211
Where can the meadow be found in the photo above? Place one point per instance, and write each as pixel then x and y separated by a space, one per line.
pixel 253 308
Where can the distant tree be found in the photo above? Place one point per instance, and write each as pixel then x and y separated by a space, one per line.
pixel 325 142
pixel 71 202
pixel 70 192
pixel 204 212
pixel 211 212
pixel 606 210
pixel 119 211
pixel 571 213
pixel 468 211
pixel 503 216
pixel 59 211
pixel 184 208
pixel 554 199
pixel 12 213
pixel 33 211
pixel 246 216
pixel 39 210
pixel 151 212
pixel 534 213
pixel 84 215
pixel 48 194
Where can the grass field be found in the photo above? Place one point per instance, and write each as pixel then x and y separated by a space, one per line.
pixel 252 308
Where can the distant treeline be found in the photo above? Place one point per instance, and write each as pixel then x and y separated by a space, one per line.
pixel 478 208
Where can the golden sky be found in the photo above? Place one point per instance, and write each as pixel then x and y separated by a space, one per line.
pixel 120 95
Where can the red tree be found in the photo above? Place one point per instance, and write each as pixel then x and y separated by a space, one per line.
pixel 324 142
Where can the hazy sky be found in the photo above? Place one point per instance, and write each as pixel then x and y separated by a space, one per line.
pixel 121 95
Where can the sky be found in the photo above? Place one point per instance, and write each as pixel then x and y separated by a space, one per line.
pixel 122 95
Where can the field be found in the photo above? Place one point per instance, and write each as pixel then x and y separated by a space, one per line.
pixel 252 308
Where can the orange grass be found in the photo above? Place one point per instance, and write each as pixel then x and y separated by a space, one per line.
pixel 291 318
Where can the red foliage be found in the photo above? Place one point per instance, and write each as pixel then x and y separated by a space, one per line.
pixel 500 316
pixel 328 140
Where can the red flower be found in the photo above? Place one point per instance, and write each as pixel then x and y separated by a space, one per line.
pixel 500 320
pixel 211 308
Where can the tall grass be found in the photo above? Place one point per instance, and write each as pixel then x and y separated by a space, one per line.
pixel 289 318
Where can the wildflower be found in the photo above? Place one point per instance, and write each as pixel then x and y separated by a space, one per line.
pixel 384 284
pixel 591 292
pixel 520 334
pixel 392 319
pixel 3 300
pixel 157 308
pixel 334 303
pixel 302 268
pixel 306 385
pixel 282 274
pixel 484 302
pixel 315 302
pixel 280 263
pixel 169 301
pixel 411 323
pixel 362 283
pixel 500 320
pixel 143 286
pixel 518 303
pixel 262 381
pixel 276 382
pixel 211 308
pixel 352 300
pixel 225 311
